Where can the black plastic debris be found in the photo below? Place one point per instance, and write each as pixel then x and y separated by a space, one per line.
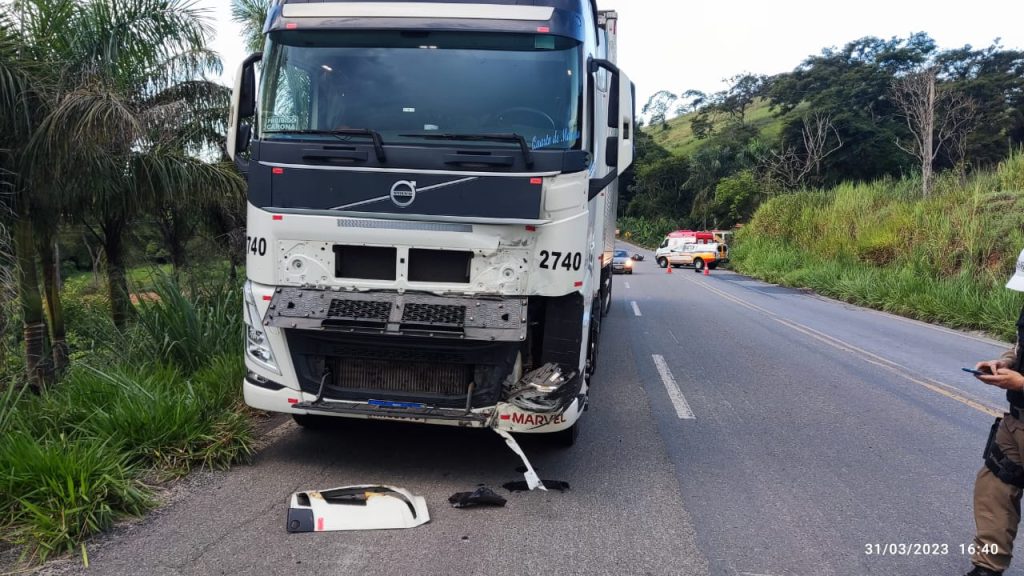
pixel 482 496
pixel 521 486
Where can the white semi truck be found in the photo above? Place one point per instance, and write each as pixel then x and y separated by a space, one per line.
pixel 432 191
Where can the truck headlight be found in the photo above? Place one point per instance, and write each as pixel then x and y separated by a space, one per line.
pixel 257 347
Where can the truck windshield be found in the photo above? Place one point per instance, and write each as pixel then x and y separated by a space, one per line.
pixel 405 83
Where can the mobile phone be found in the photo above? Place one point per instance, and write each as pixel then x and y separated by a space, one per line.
pixel 976 372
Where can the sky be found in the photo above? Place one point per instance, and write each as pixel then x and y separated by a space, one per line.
pixel 680 45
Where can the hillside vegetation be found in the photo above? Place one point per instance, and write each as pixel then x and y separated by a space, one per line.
pixel 882 173
pixel 942 259
pixel 677 137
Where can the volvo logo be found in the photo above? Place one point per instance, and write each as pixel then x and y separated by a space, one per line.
pixel 403 193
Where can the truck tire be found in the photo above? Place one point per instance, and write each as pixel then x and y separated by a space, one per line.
pixel 606 296
pixel 563 438
pixel 663 262
pixel 593 342
pixel 698 265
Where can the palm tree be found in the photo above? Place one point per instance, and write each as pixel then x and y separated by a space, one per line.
pixel 251 14
pixel 133 69
pixel 23 94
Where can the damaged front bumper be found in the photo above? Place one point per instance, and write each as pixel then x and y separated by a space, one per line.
pixel 502 416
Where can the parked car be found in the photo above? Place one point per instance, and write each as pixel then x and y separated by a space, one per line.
pixel 696 255
pixel 622 263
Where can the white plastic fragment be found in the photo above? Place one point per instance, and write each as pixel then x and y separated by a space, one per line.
pixel 532 480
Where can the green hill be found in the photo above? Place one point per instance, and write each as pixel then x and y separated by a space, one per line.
pixel 678 138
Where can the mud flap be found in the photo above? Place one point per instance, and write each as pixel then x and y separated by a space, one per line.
pixel 362 507
pixel 532 480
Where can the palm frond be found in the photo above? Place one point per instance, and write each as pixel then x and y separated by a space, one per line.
pixel 252 15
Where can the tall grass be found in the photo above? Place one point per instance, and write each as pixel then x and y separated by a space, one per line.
pixel 151 404
pixel 942 259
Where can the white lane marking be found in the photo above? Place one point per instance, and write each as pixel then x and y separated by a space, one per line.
pixel 674 394
pixel 636 309
pixel 627 285
pixel 673 337
pixel 949 391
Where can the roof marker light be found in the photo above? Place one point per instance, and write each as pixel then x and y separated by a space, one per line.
pixel 291 25
pixel 277 171
pixel 278 217
pixel 536 180
pixel 543 29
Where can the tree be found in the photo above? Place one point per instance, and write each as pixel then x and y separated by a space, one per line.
pixel 128 71
pixel 788 168
pixel 851 85
pixel 731 103
pixel 24 88
pixel 935 117
pixel 992 77
pixel 657 108
pixel 251 14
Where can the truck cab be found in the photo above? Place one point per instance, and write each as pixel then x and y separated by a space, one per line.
pixel 432 191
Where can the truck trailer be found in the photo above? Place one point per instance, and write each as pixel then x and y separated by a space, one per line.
pixel 431 209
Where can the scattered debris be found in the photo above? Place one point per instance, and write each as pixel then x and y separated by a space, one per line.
pixel 363 507
pixel 532 480
pixel 482 496
pixel 521 486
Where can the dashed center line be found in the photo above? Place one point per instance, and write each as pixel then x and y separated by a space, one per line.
pixel 636 309
pixel 674 394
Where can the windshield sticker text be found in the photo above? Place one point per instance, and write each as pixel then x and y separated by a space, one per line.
pixel 283 123
pixel 555 138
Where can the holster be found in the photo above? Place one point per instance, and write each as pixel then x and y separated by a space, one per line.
pixel 991 440
pixel 1002 467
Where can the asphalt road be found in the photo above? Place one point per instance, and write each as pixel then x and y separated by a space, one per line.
pixel 736 428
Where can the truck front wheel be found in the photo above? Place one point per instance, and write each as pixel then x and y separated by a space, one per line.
pixel 698 265
pixel 563 438
pixel 663 262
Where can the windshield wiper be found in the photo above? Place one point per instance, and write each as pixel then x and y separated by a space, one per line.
pixel 378 142
pixel 514 138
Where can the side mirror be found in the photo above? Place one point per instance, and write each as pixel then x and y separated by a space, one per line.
pixel 618 149
pixel 614 91
pixel 243 107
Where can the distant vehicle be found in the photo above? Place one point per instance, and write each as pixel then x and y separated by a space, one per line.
pixel 622 262
pixel 696 255
pixel 680 238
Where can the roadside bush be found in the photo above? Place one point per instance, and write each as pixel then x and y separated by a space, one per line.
pixel 55 492
pixel 138 407
pixel 188 330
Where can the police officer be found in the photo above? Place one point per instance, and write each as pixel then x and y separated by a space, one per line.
pixel 997 490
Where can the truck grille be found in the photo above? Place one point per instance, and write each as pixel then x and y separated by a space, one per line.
pixel 359 310
pixel 391 376
pixel 433 316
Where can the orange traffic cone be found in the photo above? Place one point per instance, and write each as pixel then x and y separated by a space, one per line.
pixel 707 270
pixel 668 269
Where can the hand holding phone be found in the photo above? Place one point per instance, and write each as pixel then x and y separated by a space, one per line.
pixel 975 372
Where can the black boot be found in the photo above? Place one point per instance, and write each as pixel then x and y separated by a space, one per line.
pixel 979 571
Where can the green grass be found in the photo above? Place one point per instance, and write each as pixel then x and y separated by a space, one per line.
pixel 678 138
pixel 943 259
pixel 149 405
